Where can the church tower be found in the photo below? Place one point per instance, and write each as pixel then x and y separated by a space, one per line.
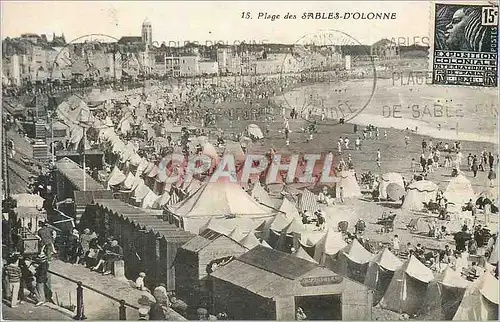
pixel 147 33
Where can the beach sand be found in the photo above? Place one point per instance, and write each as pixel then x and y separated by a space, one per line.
pixel 465 114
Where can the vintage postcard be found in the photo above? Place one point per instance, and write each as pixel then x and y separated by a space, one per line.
pixel 268 160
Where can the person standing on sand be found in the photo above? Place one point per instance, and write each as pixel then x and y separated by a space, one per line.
pixel 339 147
pixel 286 130
pixel 346 143
pixel 385 134
pixel 424 145
pixel 378 159
pixel 357 143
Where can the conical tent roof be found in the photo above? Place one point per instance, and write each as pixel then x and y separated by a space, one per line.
pixel 289 209
pixel 265 244
pixel 347 180
pixel 380 272
pixel 129 181
pixel 295 226
pixel 260 195
pixel 459 191
pixel 236 234
pixel 162 200
pixel 414 268
pixel 408 287
pixel 220 199
pixel 444 295
pixel 301 253
pixel 357 253
pixel 329 244
pixel 480 301
pixel 419 192
pixel 387 260
pixel 250 241
pixel 308 201
pixel 279 222
pixel 116 177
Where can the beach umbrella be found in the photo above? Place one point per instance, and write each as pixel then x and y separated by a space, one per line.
pixel 395 191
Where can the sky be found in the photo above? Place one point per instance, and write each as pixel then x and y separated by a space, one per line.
pixel 211 21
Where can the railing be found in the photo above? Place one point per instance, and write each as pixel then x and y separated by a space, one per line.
pixel 80 312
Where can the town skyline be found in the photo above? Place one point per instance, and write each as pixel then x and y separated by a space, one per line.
pixel 124 19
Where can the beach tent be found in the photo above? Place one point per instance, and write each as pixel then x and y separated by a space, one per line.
pixel 250 241
pixel 236 234
pixel 327 247
pixel 261 195
pixel 386 179
pixel 218 199
pixel 443 296
pixel 265 244
pixel 161 200
pixel 459 191
pixel 380 272
pixel 408 286
pixel 289 209
pixel 419 192
pixel 307 201
pixel 254 131
pixel 480 301
pixel 128 183
pixel 116 177
pixel 352 261
pixel 347 180
pixel 301 253
pixel 149 200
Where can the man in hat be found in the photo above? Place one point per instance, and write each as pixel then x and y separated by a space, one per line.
pixel 45 235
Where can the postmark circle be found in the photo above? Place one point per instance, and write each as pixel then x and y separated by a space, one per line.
pixel 328 62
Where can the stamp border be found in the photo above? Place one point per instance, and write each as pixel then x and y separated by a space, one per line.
pixel 430 66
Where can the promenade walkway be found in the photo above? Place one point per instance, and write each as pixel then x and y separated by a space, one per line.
pixel 97 306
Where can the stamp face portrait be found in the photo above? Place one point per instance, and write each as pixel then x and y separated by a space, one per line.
pixel 465 45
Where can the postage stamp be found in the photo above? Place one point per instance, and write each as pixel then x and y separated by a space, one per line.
pixel 465 45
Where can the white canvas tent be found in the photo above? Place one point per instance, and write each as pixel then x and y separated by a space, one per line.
pixel 301 253
pixel 250 241
pixel 480 301
pixel 459 191
pixel 220 199
pixel 289 209
pixel 407 288
pixel 347 180
pixel 352 261
pixel 327 247
pixel 380 272
pixel 116 177
pixel 386 179
pixel 419 192
pixel 260 195
pixel 444 295
pixel 254 131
